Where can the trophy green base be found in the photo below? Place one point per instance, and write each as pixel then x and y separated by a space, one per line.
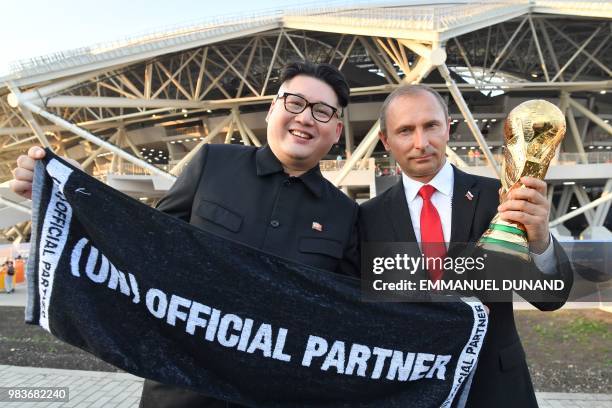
pixel 505 238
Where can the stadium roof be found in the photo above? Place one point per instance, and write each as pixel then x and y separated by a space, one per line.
pixel 431 22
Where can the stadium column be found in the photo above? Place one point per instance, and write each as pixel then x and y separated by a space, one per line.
pixel 94 139
pixel 596 119
pixel 467 115
pixel 27 114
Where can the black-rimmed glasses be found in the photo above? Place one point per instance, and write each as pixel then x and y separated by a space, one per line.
pixel 321 112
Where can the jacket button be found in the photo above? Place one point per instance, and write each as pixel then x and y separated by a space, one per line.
pixel 274 223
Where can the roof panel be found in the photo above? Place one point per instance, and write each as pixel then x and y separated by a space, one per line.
pixel 420 22
pixel 600 8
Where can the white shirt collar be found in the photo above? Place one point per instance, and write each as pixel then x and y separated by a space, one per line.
pixel 443 182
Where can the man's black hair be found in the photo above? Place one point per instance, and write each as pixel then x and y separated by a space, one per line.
pixel 324 72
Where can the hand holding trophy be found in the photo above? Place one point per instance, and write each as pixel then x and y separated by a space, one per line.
pixel 532 132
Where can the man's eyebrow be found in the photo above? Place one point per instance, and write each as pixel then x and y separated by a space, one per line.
pixel 302 95
pixel 404 126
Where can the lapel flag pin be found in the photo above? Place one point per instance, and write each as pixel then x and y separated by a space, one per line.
pixel 469 195
pixel 317 227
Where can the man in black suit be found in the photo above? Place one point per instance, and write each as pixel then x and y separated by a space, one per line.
pixel 415 129
pixel 274 198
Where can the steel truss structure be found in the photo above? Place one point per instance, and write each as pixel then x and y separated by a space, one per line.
pixel 174 91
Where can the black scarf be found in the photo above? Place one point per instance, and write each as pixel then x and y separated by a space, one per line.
pixel 164 300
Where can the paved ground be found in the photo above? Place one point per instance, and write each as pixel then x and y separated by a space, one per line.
pixel 93 389
pixel 577 400
pixel 89 389
pixel 17 298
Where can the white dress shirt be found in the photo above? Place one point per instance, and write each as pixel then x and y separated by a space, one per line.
pixel 442 199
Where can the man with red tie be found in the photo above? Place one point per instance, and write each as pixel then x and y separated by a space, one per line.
pixel 435 204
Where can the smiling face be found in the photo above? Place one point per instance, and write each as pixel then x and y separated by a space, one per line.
pixel 298 140
pixel 417 134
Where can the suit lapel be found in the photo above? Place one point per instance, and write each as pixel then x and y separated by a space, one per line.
pixel 463 208
pixel 399 215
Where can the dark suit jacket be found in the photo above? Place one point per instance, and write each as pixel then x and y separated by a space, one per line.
pixel 502 378
pixel 242 193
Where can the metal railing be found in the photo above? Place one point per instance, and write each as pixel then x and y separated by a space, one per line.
pixel 337 165
pixel 124 169
pixel 189 131
pixel 593 157
pixel 130 169
pixel 382 166
pixel 435 17
pixel 597 6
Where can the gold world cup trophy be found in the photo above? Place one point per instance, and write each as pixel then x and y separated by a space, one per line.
pixel 532 132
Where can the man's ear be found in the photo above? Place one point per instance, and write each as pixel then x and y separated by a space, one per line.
pixel 270 109
pixel 448 125
pixel 383 139
pixel 339 127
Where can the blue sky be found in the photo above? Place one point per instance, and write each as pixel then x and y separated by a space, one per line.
pixel 32 28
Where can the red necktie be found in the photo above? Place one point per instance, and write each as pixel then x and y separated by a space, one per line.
pixel 432 237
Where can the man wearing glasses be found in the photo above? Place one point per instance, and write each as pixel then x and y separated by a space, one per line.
pixel 273 198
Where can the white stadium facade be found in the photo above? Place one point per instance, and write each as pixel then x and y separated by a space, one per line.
pixel 134 111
